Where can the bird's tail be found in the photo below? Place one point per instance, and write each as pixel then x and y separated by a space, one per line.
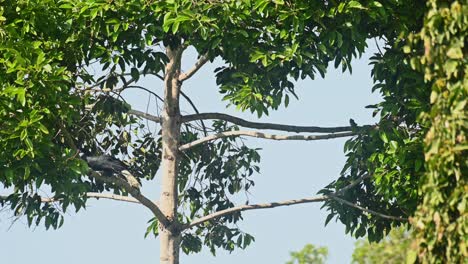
pixel 131 179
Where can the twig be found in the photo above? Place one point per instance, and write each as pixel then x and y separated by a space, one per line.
pixel 195 109
pixel 145 89
pixel 262 135
pixel 184 76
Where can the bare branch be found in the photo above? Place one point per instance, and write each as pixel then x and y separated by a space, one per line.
pixel 112 196
pixel 263 135
pixel 135 193
pixel 258 125
pixel 321 198
pixel 144 115
pixel 251 207
pixel 184 76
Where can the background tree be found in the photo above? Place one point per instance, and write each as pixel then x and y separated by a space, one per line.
pixel 64 65
pixel 310 254
pixel 395 248
pixel 441 221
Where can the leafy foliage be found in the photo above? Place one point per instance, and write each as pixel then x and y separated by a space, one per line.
pixel 391 153
pixel 310 254
pixel 441 220
pixel 209 176
pixel 421 141
pixel 32 49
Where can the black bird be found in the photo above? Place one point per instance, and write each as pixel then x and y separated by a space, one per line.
pixel 105 163
pixel 109 166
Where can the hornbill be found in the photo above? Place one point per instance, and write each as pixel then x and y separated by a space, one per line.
pixel 110 165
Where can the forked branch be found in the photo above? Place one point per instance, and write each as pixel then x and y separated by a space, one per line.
pixel 263 135
pixel 203 59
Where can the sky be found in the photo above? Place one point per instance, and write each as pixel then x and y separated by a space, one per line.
pixel 113 232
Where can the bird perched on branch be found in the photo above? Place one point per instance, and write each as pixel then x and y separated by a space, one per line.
pixel 109 166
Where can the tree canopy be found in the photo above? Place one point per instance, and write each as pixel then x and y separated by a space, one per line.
pixel 63 65
pixel 310 254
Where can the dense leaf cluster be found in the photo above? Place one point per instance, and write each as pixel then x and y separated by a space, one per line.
pixel 441 221
pixel 392 152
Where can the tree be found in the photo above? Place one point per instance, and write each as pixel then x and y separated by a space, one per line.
pixel 395 248
pixel 310 254
pixel 64 65
pixel 441 220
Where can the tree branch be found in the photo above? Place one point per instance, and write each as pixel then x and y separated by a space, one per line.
pixel 184 76
pixel 258 125
pixel 144 115
pixel 135 193
pixel 366 210
pixel 142 88
pixel 262 135
pixel 321 198
pixel 95 195
pixel 252 207
pixel 352 184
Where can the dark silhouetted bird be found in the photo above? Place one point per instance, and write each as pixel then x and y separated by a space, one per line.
pixel 109 166
pixel 105 163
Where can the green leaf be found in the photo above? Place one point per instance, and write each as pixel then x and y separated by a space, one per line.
pixel 21 96
pixel 28 143
pixel 175 26
pixel 455 53
pixel 135 74
pixel 355 4
pixel 43 129
pixel 383 136
pixel 27 173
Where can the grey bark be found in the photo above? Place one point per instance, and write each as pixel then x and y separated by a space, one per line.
pixel 169 236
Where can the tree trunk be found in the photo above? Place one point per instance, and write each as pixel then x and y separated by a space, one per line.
pixel 169 236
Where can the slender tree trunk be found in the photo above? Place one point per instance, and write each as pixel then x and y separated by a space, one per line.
pixel 169 236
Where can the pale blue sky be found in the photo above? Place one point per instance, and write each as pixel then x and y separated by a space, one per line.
pixel 112 232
